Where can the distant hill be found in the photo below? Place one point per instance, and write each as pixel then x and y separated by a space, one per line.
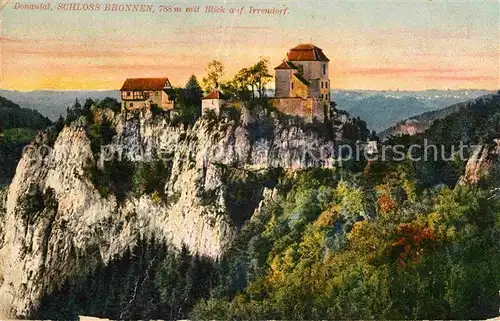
pixel 18 127
pixel 52 104
pixel 379 111
pixel 473 122
pixel 422 122
pixel 383 109
pixel 13 116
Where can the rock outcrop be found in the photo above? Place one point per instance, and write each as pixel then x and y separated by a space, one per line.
pixel 57 224
pixel 483 163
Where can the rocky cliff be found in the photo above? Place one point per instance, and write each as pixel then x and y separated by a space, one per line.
pixel 483 164
pixel 58 224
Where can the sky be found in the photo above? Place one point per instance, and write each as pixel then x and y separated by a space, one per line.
pixel 405 45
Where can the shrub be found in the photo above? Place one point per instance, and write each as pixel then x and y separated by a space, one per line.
pixel 151 177
pixel 100 135
pixel 114 178
pixel 230 112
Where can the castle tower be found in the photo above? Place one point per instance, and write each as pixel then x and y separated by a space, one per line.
pixel 306 65
pixel 213 101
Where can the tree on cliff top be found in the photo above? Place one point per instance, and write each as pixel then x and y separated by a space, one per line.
pixel 193 83
pixel 259 73
pixel 215 72
pixel 193 92
pixel 250 80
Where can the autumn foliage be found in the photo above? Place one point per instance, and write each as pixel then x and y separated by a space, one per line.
pixel 410 242
pixel 385 204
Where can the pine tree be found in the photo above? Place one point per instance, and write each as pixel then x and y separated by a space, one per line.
pixel 193 83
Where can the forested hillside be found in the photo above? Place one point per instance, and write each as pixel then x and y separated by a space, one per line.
pixel 424 121
pixel 18 127
pixel 391 241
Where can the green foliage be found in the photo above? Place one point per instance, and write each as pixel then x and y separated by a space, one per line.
pixel 186 114
pixel 76 111
pixel 115 177
pixel 123 177
pixel 211 116
pixel 193 83
pixel 18 127
pixel 109 103
pixel 355 130
pixel 215 72
pixel 12 144
pixel 248 81
pixel 13 116
pixel 187 102
pixel 231 113
pixel 34 202
pixel 244 189
pixel 90 108
pixel 19 135
pixel 183 279
pixel 150 177
pixel 329 248
pixel 474 123
pixel 150 281
pixel 101 134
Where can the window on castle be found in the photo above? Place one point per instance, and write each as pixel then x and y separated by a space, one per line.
pixel 322 85
pixel 291 85
pixel 324 69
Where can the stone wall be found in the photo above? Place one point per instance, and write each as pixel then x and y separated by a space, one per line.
pixel 299 88
pixel 212 104
pixel 283 79
pixel 308 108
pixel 318 109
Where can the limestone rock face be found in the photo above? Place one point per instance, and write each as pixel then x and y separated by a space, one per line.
pixel 56 224
pixel 482 163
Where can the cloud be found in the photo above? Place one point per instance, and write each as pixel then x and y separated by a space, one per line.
pixel 460 32
pixel 402 71
pixel 212 29
pixel 485 54
pixel 493 55
pixel 76 51
pixel 10 40
pixel 461 78
pixel 150 67
pixel 65 53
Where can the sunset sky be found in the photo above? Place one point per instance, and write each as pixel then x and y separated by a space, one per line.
pixel 371 44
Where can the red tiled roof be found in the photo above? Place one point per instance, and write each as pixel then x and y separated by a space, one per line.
pixel 285 65
pixel 306 52
pixel 153 84
pixel 215 94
